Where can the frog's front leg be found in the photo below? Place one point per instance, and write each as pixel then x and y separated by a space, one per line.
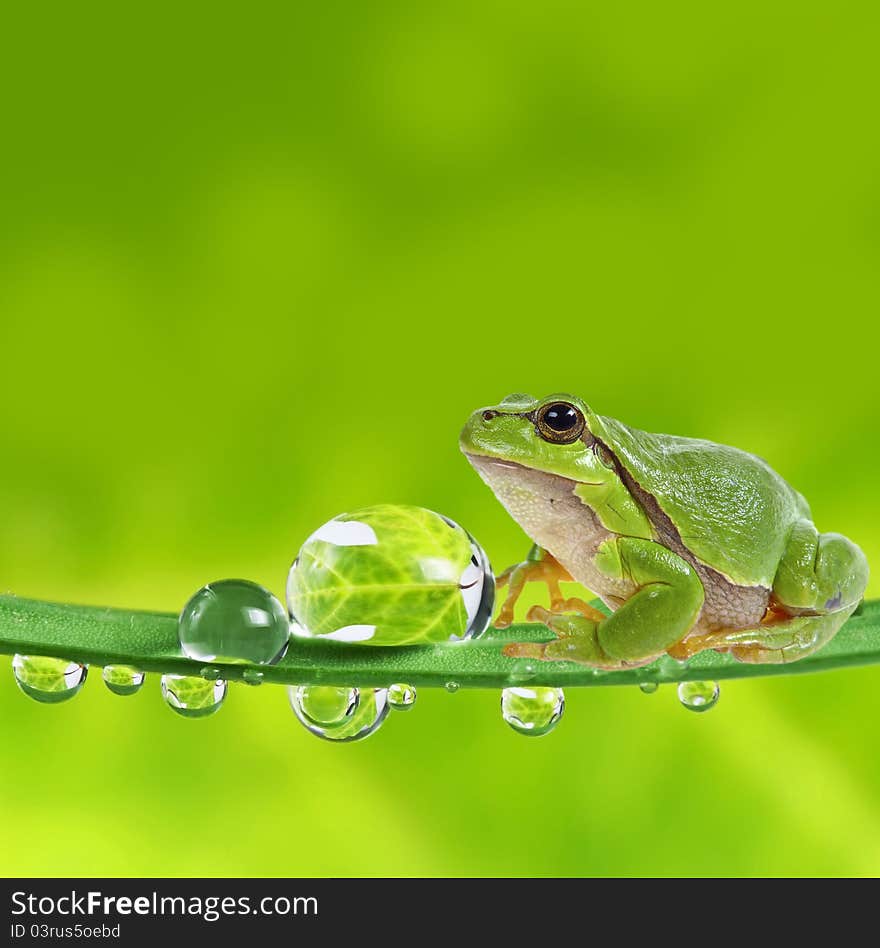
pixel 538 566
pixel 666 604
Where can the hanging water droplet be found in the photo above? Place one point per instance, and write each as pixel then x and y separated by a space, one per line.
pixel 452 686
pixel 648 687
pixel 532 711
pixel 210 673
pixel 401 697
pixel 122 679
pixel 252 676
pixel 699 695
pixel 339 714
pixel 234 621
pixel 48 680
pixel 193 697
pixel 325 705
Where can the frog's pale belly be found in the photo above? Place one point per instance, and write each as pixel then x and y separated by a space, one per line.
pixel 545 506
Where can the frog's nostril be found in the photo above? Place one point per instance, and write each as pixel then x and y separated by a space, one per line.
pixel 488 414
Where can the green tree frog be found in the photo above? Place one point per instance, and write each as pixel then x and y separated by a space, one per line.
pixel 691 544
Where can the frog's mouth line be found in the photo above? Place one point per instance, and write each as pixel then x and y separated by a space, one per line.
pixel 488 461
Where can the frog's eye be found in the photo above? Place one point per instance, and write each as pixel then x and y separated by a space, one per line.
pixel 560 422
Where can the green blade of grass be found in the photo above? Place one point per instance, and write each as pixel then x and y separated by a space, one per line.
pixel 148 641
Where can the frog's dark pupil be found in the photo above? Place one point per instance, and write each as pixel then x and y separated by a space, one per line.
pixel 560 417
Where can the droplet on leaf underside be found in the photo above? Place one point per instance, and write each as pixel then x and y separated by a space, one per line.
pixel 339 714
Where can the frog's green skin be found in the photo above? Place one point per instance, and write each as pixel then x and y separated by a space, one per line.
pixel 692 544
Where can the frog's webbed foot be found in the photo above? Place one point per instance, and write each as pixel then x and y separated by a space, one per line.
pixel 577 638
pixel 539 566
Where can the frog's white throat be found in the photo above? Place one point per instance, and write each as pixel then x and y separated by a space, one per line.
pixel 546 508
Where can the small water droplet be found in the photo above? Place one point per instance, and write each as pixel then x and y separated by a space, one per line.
pixel 48 680
pixel 253 676
pixel 193 697
pixel 648 687
pixel 670 666
pixel 699 695
pixel 122 679
pixel 452 686
pixel 524 669
pixel 210 673
pixel 532 711
pixel 401 697
pixel 339 714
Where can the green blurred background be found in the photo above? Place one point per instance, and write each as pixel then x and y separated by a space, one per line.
pixel 256 268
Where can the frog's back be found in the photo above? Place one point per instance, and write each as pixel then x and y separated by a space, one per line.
pixel 730 508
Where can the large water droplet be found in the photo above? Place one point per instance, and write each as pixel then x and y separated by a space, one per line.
pixel 122 679
pixel 49 680
pixel 401 697
pixel 193 697
pixel 339 714
pixel 648 687
pixel 699 695
pixel 532 711
pixel 390 575
pixel 234 621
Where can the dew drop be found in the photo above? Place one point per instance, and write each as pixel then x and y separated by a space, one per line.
pixel 401 697
pixel 524 670
pixel 122 679
pixel 339 714
pixel 401 549
pixel 670 666
pixel 48 680
pixel 252 676
pixel 210 673
pixel 699 695
pixel 193 697
pixel 234 621
pixel 532 712
pixel 648 687
pixel 325 705
pixel 452 686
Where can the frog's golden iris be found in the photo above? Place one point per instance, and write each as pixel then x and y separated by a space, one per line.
pixel 560 422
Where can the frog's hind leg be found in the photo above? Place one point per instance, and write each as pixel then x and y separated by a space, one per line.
pixel 819 583
pixel 775 642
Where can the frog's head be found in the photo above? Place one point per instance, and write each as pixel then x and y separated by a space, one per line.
pixel 553 435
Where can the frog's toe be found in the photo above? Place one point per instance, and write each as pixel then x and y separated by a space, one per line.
pixel 524 650
pixel 539 614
